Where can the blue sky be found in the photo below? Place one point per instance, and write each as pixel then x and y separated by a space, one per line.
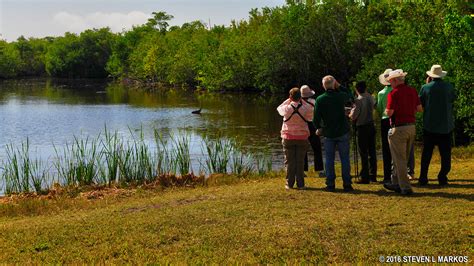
pixel 40 18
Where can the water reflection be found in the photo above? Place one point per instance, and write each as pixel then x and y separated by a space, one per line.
pixel 51 112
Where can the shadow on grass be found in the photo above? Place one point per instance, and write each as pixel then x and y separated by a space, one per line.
pixel 417 194
pixel 461 180
pixel 421 194
pixel 451 185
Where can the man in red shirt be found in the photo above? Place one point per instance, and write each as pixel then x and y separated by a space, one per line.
pixel 402 104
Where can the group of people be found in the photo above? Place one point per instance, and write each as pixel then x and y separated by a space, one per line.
pixel 306 119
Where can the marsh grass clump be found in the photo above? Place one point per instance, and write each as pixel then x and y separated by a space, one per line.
pixel 39 175
pixel 111 150
pixel 263 162
pixel 79 162
pixel 224 156
pixel 218 154
pixel 180 153
pixel 21 173
pixel 240 163
pixel 172 153
pixel 135 161
pixel 112 160
pixel 164 157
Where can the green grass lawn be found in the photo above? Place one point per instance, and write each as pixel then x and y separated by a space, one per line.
pixel 250 221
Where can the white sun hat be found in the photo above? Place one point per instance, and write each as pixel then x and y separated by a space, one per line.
pixel 383 77
pixel 436 72
pixel 306 91
pixel 396 74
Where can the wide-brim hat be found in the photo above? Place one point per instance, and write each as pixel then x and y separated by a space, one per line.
pixel 436 72
pixel 383 77
pixel 306 91
pixel 396 74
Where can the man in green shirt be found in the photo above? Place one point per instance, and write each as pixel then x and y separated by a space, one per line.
pixel 385 126
pixel 437 98
pixel 331 122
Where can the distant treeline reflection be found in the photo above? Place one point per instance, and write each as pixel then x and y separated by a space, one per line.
pixel 274 49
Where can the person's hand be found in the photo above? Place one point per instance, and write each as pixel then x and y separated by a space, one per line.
pixel 350 113
pixel 319 131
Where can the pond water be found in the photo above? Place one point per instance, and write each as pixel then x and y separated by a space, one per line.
pixel 50 113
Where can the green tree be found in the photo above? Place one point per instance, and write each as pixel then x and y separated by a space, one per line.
pixel 10 60
pixel 125 43
pixel 159 21
pixel 423 35
pixel 459 32
pixel 85 55
pixel 32 55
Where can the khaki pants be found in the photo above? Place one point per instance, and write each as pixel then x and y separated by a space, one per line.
pixel 295 151
pixel 401 140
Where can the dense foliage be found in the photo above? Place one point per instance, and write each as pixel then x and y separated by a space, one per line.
pixel 273 50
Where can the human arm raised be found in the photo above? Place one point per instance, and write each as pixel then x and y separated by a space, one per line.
pixel 284 107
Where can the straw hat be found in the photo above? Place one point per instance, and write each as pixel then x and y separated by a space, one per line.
pixel 306 91
pixel 383 77
pixel 396 74
pixel 436 72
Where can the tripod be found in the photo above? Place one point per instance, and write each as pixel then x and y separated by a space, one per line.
pixel 355 151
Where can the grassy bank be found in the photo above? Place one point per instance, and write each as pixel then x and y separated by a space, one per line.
pixel 253 221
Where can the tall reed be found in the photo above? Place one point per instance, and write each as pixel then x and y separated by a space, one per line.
pixel 142 157
pixel 79 162
pixel 173 153
pixel 240 163
pixel 14 172
pixel 39 175
pixel 111 149
pixel 263 162
pixel 111 158
pixel 181 155
pixel 218 154
pixel 135 161
pixel 162 154
pixel 20 172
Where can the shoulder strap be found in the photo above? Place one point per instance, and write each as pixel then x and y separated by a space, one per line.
pixel 310 103
pixel 295 111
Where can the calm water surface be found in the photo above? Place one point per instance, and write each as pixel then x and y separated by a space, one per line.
pixel 50 113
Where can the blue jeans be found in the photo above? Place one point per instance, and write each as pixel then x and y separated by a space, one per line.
pixel 342 144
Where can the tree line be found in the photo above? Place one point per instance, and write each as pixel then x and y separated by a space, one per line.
pixel 275 49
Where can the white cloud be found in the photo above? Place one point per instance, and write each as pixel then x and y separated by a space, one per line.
pixel 1 20
pixel 115 21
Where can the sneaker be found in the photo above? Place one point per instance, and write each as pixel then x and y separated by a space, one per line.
pixel 374 180
pixel 330 189
pixel 410 177
pixel 287 187
pixel 348 188
pixel 322 174
pixel 392 187
pixel 301 188
pixel 406 192
pixel 362 181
